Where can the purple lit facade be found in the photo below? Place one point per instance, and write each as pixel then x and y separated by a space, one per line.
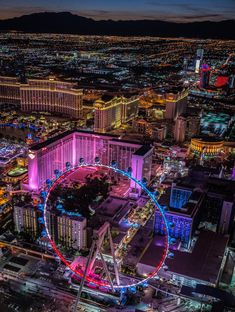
pixel 183 212
pixel 182 229
pixel 70 146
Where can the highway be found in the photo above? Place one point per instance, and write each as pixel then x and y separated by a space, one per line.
pixel 42 288
pixel 27 251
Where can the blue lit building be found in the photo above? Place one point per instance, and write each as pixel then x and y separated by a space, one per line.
pixel 181 230
pixel 179 196
pixel 200 197
pixel 183 207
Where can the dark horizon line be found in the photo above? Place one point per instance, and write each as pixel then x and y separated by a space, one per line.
pixel 121 20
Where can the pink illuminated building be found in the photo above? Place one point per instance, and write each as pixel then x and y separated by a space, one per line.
pixel 70 146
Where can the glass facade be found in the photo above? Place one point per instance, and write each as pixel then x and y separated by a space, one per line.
pixel 179 197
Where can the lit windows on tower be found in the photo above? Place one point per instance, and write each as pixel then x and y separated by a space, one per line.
pixel 179 197
pixel 205 76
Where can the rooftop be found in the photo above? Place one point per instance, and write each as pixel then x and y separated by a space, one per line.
pixel 208 139
pixel 60 136
pixel 144 149
pixel 222 187
pixel 141 151
pixel 203 263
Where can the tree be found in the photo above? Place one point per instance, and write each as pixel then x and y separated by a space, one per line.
pixel 79 199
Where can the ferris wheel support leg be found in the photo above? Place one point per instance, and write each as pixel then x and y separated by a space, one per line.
pixel 97 243
pixel 114 258
pixel 84 277
pixel 106 270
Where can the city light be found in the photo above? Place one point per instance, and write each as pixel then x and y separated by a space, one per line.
pixel 117 156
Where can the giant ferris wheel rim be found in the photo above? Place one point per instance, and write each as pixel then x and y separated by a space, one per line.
pixel 151 195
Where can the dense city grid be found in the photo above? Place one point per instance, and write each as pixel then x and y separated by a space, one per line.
pixel 117 167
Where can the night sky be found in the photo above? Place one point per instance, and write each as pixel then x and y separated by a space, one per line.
pixel 171 10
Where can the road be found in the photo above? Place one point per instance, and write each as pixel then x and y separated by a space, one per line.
pixel 27 251
pixel 44 289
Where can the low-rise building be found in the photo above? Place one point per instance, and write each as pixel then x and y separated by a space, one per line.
pixel 203 265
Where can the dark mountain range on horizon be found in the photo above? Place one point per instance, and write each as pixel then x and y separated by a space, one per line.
pixel 68 23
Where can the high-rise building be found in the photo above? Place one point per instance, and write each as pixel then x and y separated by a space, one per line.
pixel 186 127
pixel 108 115
pixel 142 126
pixel 9 92
pixel 51 96
pixel 197 66
pixel 130 108
pixel 26 219
pixel 185 64
pixel 180 129
pixel 179 196
pixel 227 214
pixel 192 126
pixel 182 204
pixel 71 146
pixel 68 230
pixel 167 104
pixel 111 113
pixel 231 82
pixel 200 54
pixel 141 165
pixel 42 95
pixel 219 204
pixel 205 76
pixel 199 197
pixel 176 103
pixel 199 59
pixel 155 130
pixel 71 231
pixel 159 132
